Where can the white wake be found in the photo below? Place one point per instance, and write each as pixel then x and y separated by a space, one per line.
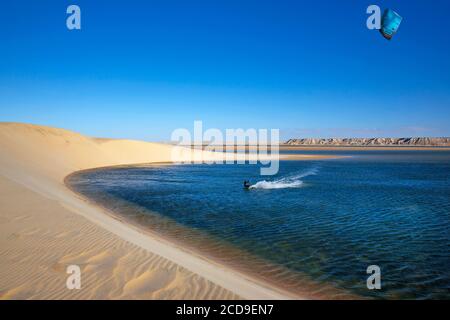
pixel 291 181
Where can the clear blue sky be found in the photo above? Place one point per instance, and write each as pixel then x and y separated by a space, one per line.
pixel 139 69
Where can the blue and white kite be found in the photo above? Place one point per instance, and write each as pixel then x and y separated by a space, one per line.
pixel 390 22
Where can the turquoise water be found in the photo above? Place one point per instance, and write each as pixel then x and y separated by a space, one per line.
pixel 324 221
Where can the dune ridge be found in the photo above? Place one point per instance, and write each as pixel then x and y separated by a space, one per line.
pixel 45 227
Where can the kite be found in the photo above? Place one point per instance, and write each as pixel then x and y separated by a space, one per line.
pixel 390 22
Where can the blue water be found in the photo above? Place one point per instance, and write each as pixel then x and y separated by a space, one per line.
pixel 324 221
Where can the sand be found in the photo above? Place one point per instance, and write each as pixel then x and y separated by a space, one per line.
pixel 45 227
pixel 39 238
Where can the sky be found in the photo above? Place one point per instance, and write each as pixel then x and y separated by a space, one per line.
pixel 141 69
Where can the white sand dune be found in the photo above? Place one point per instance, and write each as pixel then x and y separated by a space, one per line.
pixel 44 227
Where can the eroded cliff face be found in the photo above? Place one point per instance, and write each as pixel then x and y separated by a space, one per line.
pixel 371 142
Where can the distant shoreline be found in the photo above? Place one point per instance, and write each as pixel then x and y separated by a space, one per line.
pixel 348 147
pixel 372 142
pixel 335 147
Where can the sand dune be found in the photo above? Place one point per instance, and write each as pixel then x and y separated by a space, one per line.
pixel 45 227
pixel 39 238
